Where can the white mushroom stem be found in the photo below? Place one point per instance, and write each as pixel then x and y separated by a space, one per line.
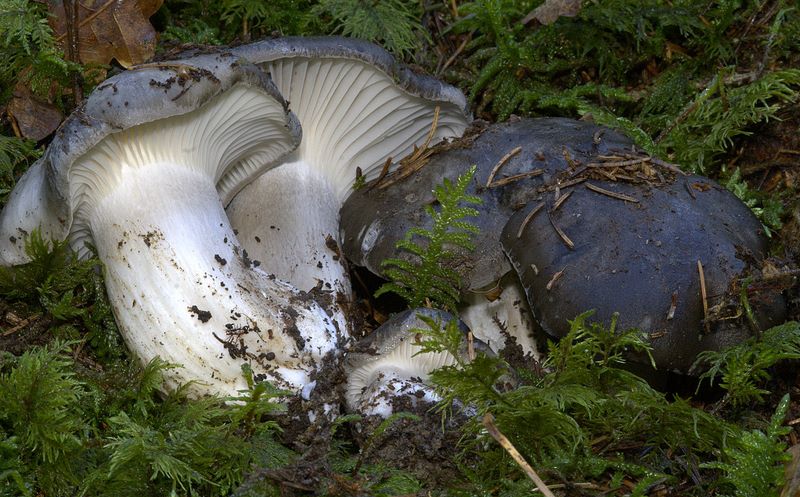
pixel 171 256
pixel 293 225
pixel 495 319
pixel 354 115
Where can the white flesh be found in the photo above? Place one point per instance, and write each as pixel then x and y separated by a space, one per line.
pixel 492 321
pixel 147 197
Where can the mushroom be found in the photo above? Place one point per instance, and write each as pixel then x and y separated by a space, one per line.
pixel 514 160
pixel 387 372
pixel 574 248
pixel 359 110
pixel 140 173
pixel 643 249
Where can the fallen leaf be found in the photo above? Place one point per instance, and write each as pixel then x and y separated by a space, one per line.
pixel 34 118
pixel 551 10
pixel 109 29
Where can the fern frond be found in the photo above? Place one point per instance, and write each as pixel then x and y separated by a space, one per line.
pixel 394 23
pixel 428 276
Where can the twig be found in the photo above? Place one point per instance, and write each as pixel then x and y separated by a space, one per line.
pixel 528 218
pixel 414 162
pixel 73 51
pixel 25 322
pixel 556 276
pixel 455 55
pixel 418 153
pixel 672 167
pixel 706 322
pixel 488 423
pixel 673 306
pixel 618 196
pixel 569 243
pixel 561 200
pixel 470 346
pixel 571 182
pixel 500 164
pixel 689 189
pixel 622 163
pixel 516 177
pixel 384 172
pixel 91 18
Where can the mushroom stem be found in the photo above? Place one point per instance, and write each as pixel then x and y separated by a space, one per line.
pixel 190 294
pixel 300 237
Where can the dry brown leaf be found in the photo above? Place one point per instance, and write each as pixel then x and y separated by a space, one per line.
pixel 33 118
pixel 551 10
pixel 109 29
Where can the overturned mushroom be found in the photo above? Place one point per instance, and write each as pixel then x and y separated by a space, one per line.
pixel 387 372
pixel 360 110
pixel 140 173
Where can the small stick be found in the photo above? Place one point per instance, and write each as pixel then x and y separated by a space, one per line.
pixel 500 164
pixel 516 177
pixel 528 218
pixel 25 322
pixel 673 306
pixel 470 346
pixel 407 164
pixel 488 423
pixel 418 152
pixel 689 189
pixel 569 243
pixel 453 57
pixel 703 294
pixel 622 163
pixel 615 195
pixel 384 172
pixel 672 167
pixel 572 182
pixel 555 278
pixel 561 200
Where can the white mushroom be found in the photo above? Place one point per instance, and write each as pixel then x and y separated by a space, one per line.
pixel 358 108
pixel 387 370
pixel 141 173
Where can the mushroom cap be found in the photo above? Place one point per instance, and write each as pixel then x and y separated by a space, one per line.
pixel 358 106
pixel 640 260
pixel 387 364
pixel 44 198
pixel 375 219
pixel 628 257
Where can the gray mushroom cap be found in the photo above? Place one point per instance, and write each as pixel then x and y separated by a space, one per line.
pixel 639 259
pixel 386 367
pixel 374 219
pixel 42 198
pixel 336 47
